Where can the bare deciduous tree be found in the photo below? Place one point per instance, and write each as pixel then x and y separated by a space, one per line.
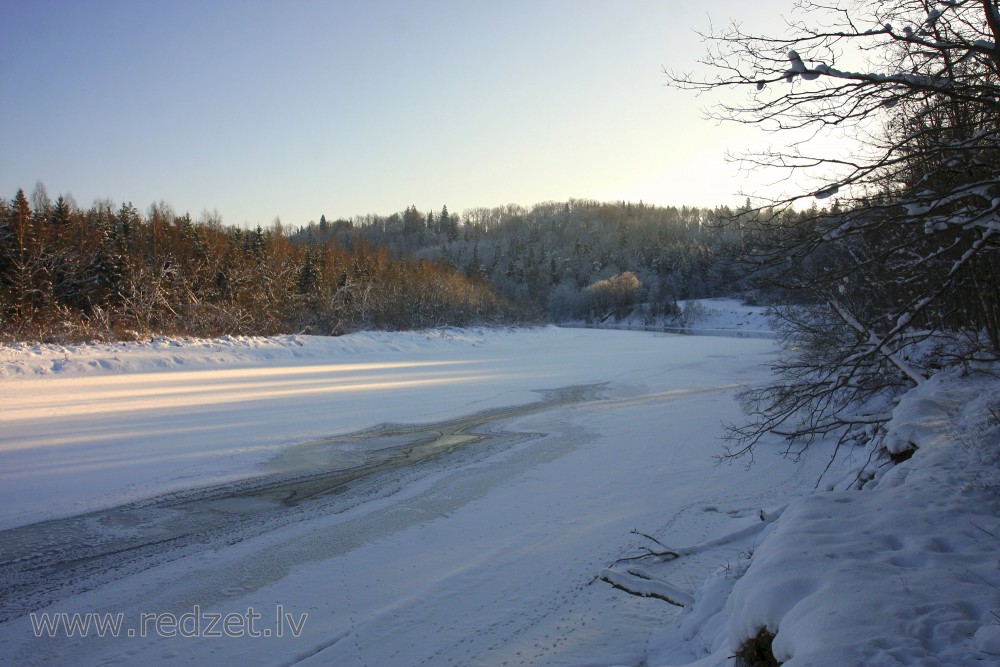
pixel 901 275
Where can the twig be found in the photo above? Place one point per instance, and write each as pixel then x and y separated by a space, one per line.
pixel 666 554
pixel 982 529
pixel 648 537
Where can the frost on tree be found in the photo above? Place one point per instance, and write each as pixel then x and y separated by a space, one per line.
pixel 898 274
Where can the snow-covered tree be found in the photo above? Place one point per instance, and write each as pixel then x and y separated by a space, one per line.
pixel 615 295
pixel 902 272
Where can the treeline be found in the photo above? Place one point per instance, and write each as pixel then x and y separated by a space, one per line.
pixel 110 272
pixel 571 260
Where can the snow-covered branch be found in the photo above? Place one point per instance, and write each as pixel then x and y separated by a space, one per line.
pixel 904 262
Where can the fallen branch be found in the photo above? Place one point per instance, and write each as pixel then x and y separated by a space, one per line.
pixel 668 553
pixel 635 581
pixel 642 584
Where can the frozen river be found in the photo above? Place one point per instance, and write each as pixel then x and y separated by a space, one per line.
pixel 412 499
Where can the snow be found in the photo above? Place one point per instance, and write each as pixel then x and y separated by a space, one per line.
pixel 799 68
pixel 640 582
pixel 143 419
pixel 827 192
pixel 702 317
pixel 493 555
pixel 718 316
pixel 903 572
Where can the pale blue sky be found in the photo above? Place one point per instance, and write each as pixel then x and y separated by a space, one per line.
pixel 301 108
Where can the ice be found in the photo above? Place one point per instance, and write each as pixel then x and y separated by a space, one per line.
pixel 494 555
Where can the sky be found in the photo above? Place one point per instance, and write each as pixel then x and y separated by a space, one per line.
pixel 297 109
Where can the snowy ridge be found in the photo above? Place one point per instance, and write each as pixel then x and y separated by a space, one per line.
pixel 903 572
pixel 163 353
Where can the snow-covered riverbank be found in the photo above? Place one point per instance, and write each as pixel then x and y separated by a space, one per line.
pixel 490 558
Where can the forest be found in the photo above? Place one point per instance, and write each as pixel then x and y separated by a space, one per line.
pixel 574 260
pixel 111 272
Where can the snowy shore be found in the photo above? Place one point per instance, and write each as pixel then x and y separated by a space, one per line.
pixel 902 572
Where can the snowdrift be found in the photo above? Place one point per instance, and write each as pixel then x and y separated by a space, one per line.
pixel 902 572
